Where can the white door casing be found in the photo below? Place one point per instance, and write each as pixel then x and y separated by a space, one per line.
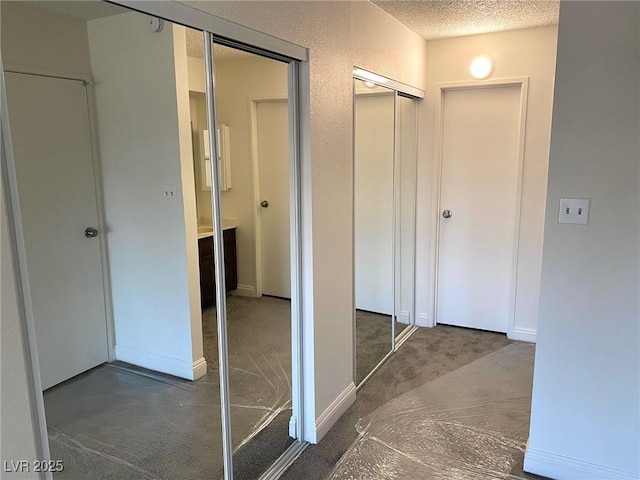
pixel 481 146
pixel 54 165
pixel 273 187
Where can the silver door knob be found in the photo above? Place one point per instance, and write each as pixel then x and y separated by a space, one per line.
pixel 264 204
pixel 447 214
pixel 91 232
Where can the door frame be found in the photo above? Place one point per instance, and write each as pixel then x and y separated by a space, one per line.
pixel 255 176
pixel 441 88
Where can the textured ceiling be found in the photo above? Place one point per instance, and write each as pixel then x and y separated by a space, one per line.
pixel 454 18
pixel 195 48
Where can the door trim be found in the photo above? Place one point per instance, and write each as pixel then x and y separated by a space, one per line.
pixel 255 173
pixel 23 289
pixel 441 89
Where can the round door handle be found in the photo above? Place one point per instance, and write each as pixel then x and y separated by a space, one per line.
pixel 91 232
pixel 447 214
pixel 264 204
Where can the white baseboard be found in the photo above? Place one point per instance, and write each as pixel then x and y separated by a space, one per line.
pixel 566 468
pixel 162 363
pixel 199 368
pixel 245 291
pixel 523 334
pixel 404 317
pixel 333 412
pixel 422 320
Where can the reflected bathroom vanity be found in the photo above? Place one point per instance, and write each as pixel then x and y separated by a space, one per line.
pixel 207 263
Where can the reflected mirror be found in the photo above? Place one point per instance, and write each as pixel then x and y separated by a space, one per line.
pixel 385 153
pixel 374 132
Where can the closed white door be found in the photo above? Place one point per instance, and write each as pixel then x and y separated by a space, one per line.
pixel 479 176
pixel 52 147
pixel 273 158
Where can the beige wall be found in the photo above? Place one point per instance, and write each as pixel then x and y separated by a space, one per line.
pixel 338 35
pixel 585 414
pixel 45 40
pixel 531 53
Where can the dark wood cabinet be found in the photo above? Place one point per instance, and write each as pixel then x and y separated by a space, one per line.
pixel 207 263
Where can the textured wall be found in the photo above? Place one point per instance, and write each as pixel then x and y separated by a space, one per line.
pixel 338 35
pixel 585 419
pixel 518 53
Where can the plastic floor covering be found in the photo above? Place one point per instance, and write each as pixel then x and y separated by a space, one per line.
pixel 472 423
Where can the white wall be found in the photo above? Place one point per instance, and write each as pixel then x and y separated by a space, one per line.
pixel 517 53
pixel 585 419
pixel 142 104
pixel 338 35
pixel 17 434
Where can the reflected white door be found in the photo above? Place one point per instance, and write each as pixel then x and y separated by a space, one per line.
pixel 52 147
pixel 479 172
pixel 374 133
pixel 272 119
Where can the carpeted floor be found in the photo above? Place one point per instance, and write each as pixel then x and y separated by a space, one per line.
pixel 472 423
pixel 120 421
pixel 373 341
pixel 426 355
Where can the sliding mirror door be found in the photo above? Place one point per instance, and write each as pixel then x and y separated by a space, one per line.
pixel 405 232
pixel 374 144
pixel 98 101
pixel 253 160
pixel 385 162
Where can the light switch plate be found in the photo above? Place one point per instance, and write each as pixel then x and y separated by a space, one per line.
pixel 574 210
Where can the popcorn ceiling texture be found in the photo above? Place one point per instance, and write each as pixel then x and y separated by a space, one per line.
pixel 454 18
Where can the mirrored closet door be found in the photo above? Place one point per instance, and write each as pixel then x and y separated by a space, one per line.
pixel 167 344
pixel 385 145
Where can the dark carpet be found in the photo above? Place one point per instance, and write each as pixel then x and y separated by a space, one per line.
pixel 373 341
pixel 472 423
pixel 428 354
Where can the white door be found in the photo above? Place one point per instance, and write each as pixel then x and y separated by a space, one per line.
pixel 479 173
pixel 52 146
pixel 273 158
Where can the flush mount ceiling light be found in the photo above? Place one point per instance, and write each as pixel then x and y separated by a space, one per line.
pixel 369 84
pixel 481 67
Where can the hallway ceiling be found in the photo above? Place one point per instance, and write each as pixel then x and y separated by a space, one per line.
pixel 455 18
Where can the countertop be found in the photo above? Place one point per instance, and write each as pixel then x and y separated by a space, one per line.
pixel 205 231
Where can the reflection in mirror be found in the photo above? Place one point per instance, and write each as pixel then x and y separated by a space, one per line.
pixel 256 218
pixel 117 115
pixel 406 150
pixel 374 127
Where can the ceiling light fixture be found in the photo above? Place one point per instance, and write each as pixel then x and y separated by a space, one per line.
pixel 481 67
pixel 369 84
